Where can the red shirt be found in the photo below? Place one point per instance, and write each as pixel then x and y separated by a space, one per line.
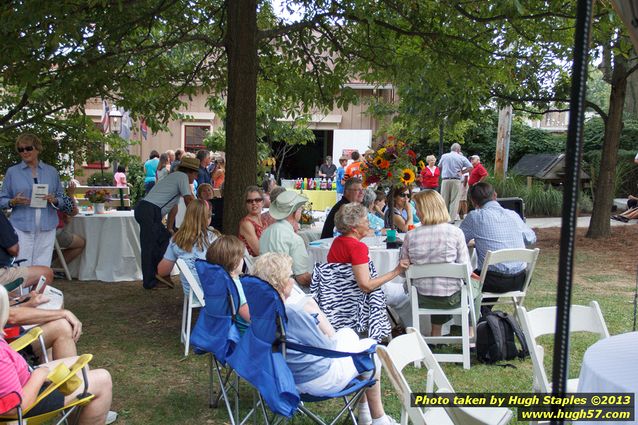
pixel 429 179
pixel 478 172
pixel 348 250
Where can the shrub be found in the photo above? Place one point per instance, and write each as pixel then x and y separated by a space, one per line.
pixel 626 172
pixel 540 200
pixel 135 178
pixel 100 179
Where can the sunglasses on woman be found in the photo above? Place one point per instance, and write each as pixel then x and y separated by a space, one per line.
pixel 405 195
pixel 26 148
pixel 254 201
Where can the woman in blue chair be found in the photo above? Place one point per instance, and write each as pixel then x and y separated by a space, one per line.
pixel 307 325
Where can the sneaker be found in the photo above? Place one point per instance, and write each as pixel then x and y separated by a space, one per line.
pixel 386 420
pixel 59 275
pixel 111 417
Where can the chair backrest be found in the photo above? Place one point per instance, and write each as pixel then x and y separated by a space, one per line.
pixel 542 321
pixel 519 255
pixel 249 260
pixel 337 293
pixel 451 270
pixel 215 331
pixel 192 280
pixel 400 352
pixel 258 357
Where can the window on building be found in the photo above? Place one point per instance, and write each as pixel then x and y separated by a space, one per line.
pixel 194 137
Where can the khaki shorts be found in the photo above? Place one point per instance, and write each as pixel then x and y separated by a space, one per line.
pixel 64 237
pixel 9 274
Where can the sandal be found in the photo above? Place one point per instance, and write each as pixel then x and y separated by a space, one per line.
pixel 164 282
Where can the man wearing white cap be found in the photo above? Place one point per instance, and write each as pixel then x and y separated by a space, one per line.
pixel 281 237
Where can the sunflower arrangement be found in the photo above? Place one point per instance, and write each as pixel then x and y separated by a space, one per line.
pixel 392 164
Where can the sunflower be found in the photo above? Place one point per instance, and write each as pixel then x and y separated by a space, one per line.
pixel 384 164
pixel 377 161
pixel 407 176
pixel 381 151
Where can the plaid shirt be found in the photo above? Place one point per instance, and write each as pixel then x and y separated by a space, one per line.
pixel 439 243
pixel 493 227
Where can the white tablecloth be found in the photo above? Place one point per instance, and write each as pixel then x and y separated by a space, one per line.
pixel 611 366
pixel 384 260
pixel 112 252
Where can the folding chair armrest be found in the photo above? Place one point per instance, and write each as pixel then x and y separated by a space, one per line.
pixel 12 286
pixel 64 377
pixel 362 360
pixel 26 339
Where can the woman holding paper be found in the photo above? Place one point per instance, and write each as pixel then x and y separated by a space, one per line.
pixel 33 190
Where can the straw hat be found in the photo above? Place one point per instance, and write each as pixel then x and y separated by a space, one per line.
pixel 189 164
pixel 286 203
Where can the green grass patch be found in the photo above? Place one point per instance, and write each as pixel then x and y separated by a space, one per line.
pixel 135 335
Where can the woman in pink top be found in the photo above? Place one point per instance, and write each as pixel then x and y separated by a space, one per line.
pixel 15 376
pixel 251 226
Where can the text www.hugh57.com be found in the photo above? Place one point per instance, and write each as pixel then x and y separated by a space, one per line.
pixel 573 415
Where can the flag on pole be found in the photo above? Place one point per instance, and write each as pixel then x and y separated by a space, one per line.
pixel 106 123
pixel 125 131
pixel 143 128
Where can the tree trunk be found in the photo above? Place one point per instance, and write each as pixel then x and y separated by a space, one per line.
pixel 241 118
pixel 599 226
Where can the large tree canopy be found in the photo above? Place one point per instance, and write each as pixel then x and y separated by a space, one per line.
pixel 448 60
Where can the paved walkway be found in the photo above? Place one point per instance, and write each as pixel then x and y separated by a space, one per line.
pixel 541 223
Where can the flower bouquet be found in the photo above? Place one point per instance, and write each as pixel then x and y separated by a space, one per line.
pixel 392 165
pixel 97 196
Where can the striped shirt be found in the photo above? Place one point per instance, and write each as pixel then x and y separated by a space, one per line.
pixel 14 372
pixel 439 243
pixel 493 227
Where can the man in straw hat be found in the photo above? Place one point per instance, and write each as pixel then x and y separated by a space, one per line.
pixel 149 211
pixel 281 237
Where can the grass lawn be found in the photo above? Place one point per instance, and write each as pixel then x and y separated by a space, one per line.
pixel 135 335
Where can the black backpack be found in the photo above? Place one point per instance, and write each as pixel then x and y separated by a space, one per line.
pixel 496 335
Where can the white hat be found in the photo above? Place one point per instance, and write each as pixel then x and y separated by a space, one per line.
pixel 286 203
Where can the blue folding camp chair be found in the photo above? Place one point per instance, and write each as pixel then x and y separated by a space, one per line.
pixel 215 331
pixel 264 344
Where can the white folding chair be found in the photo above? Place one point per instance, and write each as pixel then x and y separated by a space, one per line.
pixel 62 261
pixel 411 347
pixel 542 321
pixel 465 310
pixel 249 260
pixel 194 299
pixel 521 255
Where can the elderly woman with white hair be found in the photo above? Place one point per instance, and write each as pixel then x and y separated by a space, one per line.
pixel 308 325
pixel 347 287
pixel 353 225
pixel 374 221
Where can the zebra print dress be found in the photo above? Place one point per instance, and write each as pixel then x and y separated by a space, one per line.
pixel 335 289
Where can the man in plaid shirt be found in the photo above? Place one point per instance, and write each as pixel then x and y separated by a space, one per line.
pixel 493 227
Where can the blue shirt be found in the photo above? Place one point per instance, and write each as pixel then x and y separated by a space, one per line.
pixel 303 328
pixel 8 238
pixel 451 165
pixel 242 325
pixel 19 180
pixel 493 227
pixel 376 223
pixel 150 169
pixel 340 174
pixel 203 176
pixel 174 252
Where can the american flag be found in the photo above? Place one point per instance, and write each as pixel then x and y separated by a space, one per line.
pixel 106 123
pixel 143 128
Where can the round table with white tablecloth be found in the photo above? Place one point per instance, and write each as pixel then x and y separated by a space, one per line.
pixel 611 366
pixel 384 260
pixel 112 251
